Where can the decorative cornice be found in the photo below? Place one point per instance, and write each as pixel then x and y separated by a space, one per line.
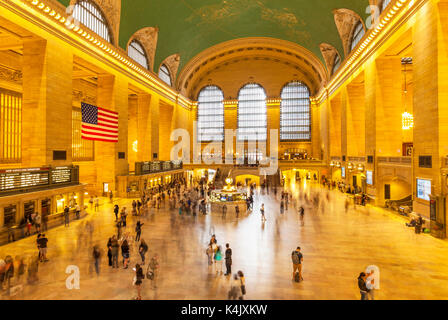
pixel 10 75
pixel 79 95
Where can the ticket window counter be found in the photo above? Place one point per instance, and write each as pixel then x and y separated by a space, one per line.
pixel 61 202
pixel 29 209
pixel 45 207
pixel 10 215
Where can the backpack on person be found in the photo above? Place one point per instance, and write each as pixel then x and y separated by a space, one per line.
pixel 295 257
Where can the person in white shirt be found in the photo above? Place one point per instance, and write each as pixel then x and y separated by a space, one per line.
pixel 370 284
pixel 77 211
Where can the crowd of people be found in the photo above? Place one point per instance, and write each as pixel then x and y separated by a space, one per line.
pixel 182 199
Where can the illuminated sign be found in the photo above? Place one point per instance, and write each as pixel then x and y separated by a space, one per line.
pixel 343 172
pixel 369 177
pixel 423 189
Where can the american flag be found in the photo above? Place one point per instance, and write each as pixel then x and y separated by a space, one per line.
pixel 99 124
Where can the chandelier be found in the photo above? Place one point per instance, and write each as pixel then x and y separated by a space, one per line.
pixel 407 119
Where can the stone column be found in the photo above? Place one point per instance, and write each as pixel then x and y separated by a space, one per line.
pixel 112 95
pixel 47 103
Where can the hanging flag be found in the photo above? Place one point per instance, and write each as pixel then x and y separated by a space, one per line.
pixel 99 124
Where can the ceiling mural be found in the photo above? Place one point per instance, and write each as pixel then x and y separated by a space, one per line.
pixel 188 27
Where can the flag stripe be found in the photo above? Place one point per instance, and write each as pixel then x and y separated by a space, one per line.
pixel 106 116
pixel 108 111
pixel 86 127
pixel 106 121
pixel 91 133
pixel 98 139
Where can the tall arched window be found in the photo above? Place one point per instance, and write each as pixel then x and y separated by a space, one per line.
pixel 336 63
pixel 357 35
pixel 295 112
pixel 90 15
pixel 252 113
pixel 211 114
pixel 138 53
pixel 384 5
pixel 165 75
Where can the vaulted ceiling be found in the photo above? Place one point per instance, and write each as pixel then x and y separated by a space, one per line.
pixel 188 27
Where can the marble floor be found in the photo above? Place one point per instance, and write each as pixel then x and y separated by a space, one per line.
pixel 336 245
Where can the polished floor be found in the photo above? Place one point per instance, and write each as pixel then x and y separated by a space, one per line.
pixel 336 245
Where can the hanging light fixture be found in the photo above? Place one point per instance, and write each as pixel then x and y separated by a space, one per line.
pixel 407 119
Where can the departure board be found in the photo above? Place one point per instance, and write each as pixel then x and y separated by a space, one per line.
pixel 12 179
pixel 25 179
pixel 61 175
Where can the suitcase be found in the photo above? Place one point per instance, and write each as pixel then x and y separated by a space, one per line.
pixel 297 277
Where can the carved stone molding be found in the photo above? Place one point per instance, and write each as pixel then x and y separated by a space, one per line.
pixel 148 38
pixel 11 75
pixel 329 53
pixel 172 63
pixel 81 96
pixel 346 21
pixel 112 10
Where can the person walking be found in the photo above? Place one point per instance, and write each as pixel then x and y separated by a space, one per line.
pixel 142 249
pixel 263 218
pixel 67 216
pixel 43 243
pixel 109 251
pixel 37 222
pixel 209 252
pixel 282 206
pixel 154 266
pixel 77 211
pixel 138 230
pixel 96 259
pixel 237 211
pixel 297 259
pixel 242 284
pixel 116 211
pixel 125 253
pixel 139 276
pixel 302 215
pixel 228 255
pixel 224 211
pixel 97 204
pixel 218 261
pixel 114 250
pixel 123 217
pixel 235 289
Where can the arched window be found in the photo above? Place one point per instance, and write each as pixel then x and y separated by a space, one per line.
pixel 295 112
pixel 384 5
pixel 336 63
pixel 165 75
pixel 252 113
pixel 90 15
pixel 357 35
pixel 138 53
pixel 211 114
